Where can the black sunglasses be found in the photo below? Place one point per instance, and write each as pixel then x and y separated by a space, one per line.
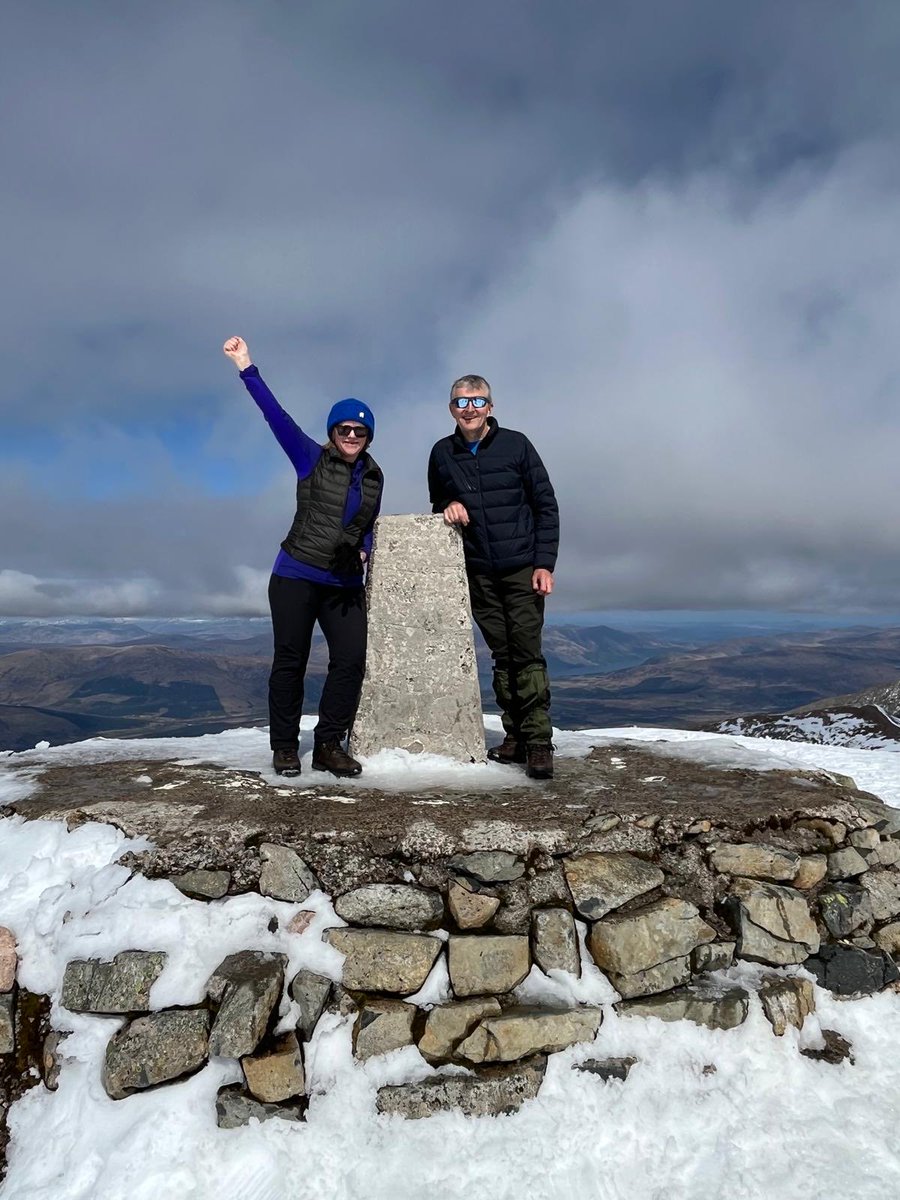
pixel 354 431
pixel 475 401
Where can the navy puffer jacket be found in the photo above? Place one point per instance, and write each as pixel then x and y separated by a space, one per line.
pixel 505 488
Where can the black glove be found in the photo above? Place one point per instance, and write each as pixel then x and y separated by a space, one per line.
pixel 346 560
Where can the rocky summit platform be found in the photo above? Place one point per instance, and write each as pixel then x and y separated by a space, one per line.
pixel 663 870
pixel 622 796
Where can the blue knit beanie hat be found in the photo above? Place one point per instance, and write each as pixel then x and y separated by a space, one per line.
pixel 352 410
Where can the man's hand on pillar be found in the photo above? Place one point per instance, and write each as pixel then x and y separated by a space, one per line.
pixel 542 581
pixel 456 514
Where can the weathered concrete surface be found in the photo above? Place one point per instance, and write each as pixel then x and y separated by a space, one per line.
pixel 421 688
pixel 352 835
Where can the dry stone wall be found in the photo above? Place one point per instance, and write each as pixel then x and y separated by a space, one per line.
pixel 666 908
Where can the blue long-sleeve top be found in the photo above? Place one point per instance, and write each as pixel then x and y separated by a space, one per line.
pixel 304 454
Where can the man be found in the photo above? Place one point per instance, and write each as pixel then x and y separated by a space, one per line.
pixel 491 483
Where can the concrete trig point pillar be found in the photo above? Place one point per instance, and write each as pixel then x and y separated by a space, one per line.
pixel 421 688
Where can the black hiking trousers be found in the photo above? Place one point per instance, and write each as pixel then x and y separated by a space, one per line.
pixel 296 605
pixel 510 615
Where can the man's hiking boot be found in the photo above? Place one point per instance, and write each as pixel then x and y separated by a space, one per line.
pixel 331 756
pixel 286 762
pixel 539 760
pixel 510 750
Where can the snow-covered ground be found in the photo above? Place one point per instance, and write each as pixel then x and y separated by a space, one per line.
pixel 765 1123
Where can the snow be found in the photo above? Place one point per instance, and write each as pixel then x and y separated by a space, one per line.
pixel 835 729
pixel 766 1122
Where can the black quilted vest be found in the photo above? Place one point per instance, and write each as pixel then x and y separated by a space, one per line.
pixel 318 535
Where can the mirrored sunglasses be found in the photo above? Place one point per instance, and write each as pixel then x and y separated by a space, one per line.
pixel 476 401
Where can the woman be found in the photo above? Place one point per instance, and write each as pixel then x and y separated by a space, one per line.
pixel 317 576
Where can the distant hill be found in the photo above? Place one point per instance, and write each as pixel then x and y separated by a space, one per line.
pixel 157 677
pixel 773 674
pixel 886 697
pixel 865 727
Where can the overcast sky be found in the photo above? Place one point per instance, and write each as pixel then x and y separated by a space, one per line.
pixel 667 233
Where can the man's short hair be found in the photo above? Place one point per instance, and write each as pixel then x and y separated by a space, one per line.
pixel 472 381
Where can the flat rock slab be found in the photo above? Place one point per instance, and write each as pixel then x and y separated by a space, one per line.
pixel 247 987
pixel 235 1108
pixel 154 1049
pixel 521 1033
pixel 716 1010
pixel 276 1074
pixel 8 959
pixel 381 960
pixel 490 1093
pixel 120 986
pixel 391 905
pixel 487 963
pixel 382 1026
pixel 215 818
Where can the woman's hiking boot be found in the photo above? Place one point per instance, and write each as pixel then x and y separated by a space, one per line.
pixel 539 760
pixel 510 750
pixel 286 762
pixel 331 756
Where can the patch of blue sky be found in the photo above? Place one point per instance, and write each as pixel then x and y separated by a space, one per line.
pixel 134 458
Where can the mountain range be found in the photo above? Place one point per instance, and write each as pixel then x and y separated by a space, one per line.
pixel 62 681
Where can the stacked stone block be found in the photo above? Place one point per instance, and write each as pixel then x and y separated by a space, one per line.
pixel 666 908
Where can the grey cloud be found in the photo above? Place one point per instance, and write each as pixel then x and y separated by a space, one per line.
pixel 665 232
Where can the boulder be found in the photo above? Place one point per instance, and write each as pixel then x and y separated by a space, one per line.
pixel 810 870
pixel 888 938
pixel 660 978
pixel 657 933
pixel 8 959
pixel 247 987
pixel 284 874
pixel 714 956
pixel 607 1068
pixel 600 882
pixel 846 863
pixel 834 1049
pixel 120 986
pixel 489 1093
pixel 865 839
pixel 234 1108
pixel 754 861
pixel 773 923
pixel 382 1026
pixel 542 889
pixel 448 1024
pixel 520 1033
pixel 275 1074
pixel 845 909
pixel 380 960
pixel 830 833
pixel 470 909
pixel 154 1049
pixel 883 888
pixel 488 866
pixel 201 884
pixel 787 1000
pixel 391 906
pixel 851 971
pixel 885 854
pixel 7 1023
pixel 716 1009
pixel 488 963
pixel 50 1059
pixel 311 992
pixel 555 940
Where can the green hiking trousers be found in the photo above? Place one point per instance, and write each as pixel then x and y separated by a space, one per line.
pixel 510 615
